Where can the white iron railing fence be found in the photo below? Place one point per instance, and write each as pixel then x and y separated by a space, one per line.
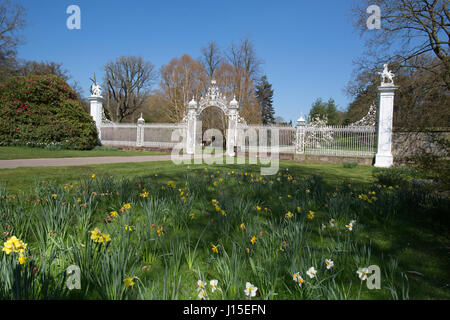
pixel 352 141
pixel 356 141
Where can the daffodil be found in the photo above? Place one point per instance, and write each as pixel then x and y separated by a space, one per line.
pixel 250 290
pixel 201 285
pixel 93 176
pixel 202 294
pixel 114 214
pixel 311 272
pixel 329 263
pixel 22 259
pixel 128 282
pixel 213 284
pixel 214 249
pixel 362 273
pixel 253 240
pixel 332 223
pixel 127 206
pixel 310 215
pixel 289 215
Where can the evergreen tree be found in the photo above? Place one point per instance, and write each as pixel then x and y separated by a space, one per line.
pixel 321 109
pixel 264 96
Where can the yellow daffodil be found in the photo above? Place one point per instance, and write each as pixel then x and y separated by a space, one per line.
pixel 22 259
pixel 253 240
pixel 128 282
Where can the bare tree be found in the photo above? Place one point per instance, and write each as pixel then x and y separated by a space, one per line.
pixel 409 29
pixel 128 83
pixel 211 58
pixel 246 68
pixel 12 19
pixel 181 80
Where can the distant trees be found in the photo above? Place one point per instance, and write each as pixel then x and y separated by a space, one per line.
pixel 12 19
pixel 326 110
pixel 419 102
pixel 264 96
pixel 410 29
pixel 128 82
pixel 414 40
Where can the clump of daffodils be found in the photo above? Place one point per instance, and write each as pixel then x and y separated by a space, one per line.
pixel 202 291
pixel 298 279
pixel 14 245
pixel 99 237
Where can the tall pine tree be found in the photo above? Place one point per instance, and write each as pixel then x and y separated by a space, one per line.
pixel 264 96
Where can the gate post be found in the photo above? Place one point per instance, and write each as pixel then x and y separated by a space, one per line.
pixel 191 126
pixel 232 127
pixel 140 132
pixel 96 102
pixel 300 137
pixel 384 158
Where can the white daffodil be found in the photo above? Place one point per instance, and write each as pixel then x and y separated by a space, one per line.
pixel 349 226
pixel 213 284
pixel 332 223
pixel 250 290
pixel 295 276
pixel 329 263
pixel 362 273
pixel 201 285
pixel 300 281
pixel 202 294
pixel 311 272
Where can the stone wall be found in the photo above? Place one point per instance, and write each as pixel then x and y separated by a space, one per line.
pixel 406 144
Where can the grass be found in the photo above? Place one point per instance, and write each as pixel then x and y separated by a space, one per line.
pixel 403 229
pixel 11 153
pixel 23 180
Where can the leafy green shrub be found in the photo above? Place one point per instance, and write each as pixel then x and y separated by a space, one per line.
pixel 395 175
pixel 349 165
pixel 44 110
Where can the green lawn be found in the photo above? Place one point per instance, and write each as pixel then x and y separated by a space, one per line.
pixel 10 153
pixel 22 180
pixel 403 229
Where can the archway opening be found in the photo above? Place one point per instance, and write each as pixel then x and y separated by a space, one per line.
pixel 213 118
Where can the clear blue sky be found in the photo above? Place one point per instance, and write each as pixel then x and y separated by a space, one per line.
pixel 308 46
